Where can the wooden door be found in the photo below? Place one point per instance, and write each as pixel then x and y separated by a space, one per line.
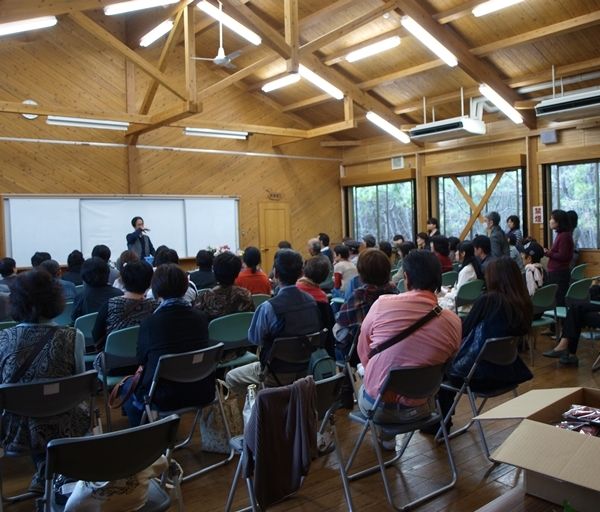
pixel 273 226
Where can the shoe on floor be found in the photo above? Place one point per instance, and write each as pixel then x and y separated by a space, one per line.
pixel 389 444
pixel 555 353
pixel 569 359
pixel 37 484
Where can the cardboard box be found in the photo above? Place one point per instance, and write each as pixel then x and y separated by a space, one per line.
pixel 559 464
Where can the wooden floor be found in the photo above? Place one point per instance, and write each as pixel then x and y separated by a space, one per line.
pixel 423 465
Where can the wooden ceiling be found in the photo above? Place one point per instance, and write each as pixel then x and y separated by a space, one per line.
pixel 513 50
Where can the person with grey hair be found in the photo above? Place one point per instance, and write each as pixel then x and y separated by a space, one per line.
pixel 498 239
pixel 314 249
pixel 53 268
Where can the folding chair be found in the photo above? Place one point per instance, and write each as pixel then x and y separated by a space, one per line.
pixel 232 331
pixel 400 286
pixel 118 359
pixel 578 272
pixel 65 317
pixel 327 403
pixel 292 351
pixel 499 351
pixel 7 324
pixel 189 368
pixel 544 299
pixel 85 324
pixel 113 456
pixel 422 382
pixel 578 292
pixel 468 293
pixel 349 363
pixel 259 298
pixel 79 288
pixel 44 399
pixel 449 278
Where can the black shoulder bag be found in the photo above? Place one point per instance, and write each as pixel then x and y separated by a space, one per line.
pixel 435 312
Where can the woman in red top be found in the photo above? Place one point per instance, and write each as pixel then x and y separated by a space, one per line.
pixel 560 255
pixel 252 278
pixel 441 248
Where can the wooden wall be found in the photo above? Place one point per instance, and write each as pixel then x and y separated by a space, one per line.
pixel 68 69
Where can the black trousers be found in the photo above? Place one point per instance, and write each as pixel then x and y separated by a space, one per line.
pixel 562 278
pixel 578 317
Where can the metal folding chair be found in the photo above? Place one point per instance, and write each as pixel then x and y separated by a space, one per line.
pixel 114 456
pixel 578 292
pixel 85 324
pixel 422 382
pixel 65 317
pixel 449 278
pixel 44 399
pixel 543 300
pixel 7 324
pixel 499 351
pixel 259 298
pixel 188 367
pixel 468 293
pixel 232 331
pixel 578 272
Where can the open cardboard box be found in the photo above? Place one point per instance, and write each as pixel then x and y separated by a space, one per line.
pixel 559 464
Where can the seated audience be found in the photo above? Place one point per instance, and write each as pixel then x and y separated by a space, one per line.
pixel 396 242
pixel 316 271
pixel 8 271
pixel 343 269
pixel 53 268
pixel 124 258
pixel 96 291
pixel 290 313
pixel 422 241
pixel 102 251
pixel 403 251
pixel 173 328
pixel 470 270
pixel 386 248
pixel 73 273
pixel 367 242
pixel 374 271
pixel 314 249
pixel 36 299
pixel 514 252
pixel 283 244
pixel 164 256
pixel 39 257
pixel 354 248
pixel 252 277
pixel 204 277
pixel 498 242
pixel 128 309
pixel 225 298
pixel 441 248
pixel 432 344
pixel 535 275
pixel 482 248
pixel 453 243
pixel 504 310
pixel 325 249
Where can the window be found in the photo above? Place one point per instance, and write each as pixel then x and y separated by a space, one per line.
pixel 383 210
pixel 575 186
pixel 454 211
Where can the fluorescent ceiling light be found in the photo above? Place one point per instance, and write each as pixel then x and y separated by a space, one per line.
pixel 77 122
pixel 25 25
pixel 284 81
pixel 156 33
pixel 501 103
pixel 372 49
pixel 135 5
pixel 428 40
pixel 229 22
pixel 220 134
pixel 493 6
pixel 321 83
pixel 388 127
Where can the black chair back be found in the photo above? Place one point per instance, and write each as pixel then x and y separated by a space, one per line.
pixel 111 456
pixel 189 366
pixel 501 351
pixel 296 349
pixel 414 382
pixel 44 398
pixel 328 393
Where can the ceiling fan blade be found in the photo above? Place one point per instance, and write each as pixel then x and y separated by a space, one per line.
pixel 234 55
pixel 203 58
pixel 229 65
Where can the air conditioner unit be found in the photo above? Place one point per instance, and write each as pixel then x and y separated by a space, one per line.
pixel 571 106
pixel 448 129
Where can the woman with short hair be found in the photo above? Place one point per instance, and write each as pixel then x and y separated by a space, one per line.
pixel 97 291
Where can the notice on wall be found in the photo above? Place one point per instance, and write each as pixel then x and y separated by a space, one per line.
pixel 538 214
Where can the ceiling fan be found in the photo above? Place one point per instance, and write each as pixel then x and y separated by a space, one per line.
pixel 221 58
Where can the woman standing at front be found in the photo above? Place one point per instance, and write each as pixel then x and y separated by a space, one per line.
pixel 560 255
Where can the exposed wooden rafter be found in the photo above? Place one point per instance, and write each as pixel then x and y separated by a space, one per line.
pixel 13 10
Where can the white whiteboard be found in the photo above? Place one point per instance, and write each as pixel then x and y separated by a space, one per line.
pixel 59 225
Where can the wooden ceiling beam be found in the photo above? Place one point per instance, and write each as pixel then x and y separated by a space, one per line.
pixel 403 73
pixel 460 11
pixel 144 21
pixel 339 56
pixel 480 71
pixel 165 118
pixel 292 33
pixel 310 102
pixel 340 143
pixel 189 45
pixel 106 37
pixel 14 10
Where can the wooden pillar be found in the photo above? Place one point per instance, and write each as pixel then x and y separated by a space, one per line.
pixel 422 195
pixel 2 234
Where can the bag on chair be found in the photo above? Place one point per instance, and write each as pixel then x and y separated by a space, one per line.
pixel 212 428
pixel 321 365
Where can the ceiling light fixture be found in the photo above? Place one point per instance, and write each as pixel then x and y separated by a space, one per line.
pixel 156 33
pixel 220 134
pixel 135 5
pixel 321 83
pixel 229 22
pixel 501 103
pixel 24 25
pixel 284 81
pixel 428 40
pixel 492 6
pixel 373 49
pixel 388 127
pixel 78 122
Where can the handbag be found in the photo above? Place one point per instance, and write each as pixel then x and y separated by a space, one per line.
pixel 117 397
pixel 212 429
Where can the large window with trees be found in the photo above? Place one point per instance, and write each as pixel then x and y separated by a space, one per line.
pixel 383 210
pixel 576 186
pixel 455 211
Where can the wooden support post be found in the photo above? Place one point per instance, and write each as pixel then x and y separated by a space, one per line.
pixel 481 204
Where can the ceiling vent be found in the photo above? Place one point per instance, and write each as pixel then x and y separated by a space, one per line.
pixel 448 129
pixel 571 106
